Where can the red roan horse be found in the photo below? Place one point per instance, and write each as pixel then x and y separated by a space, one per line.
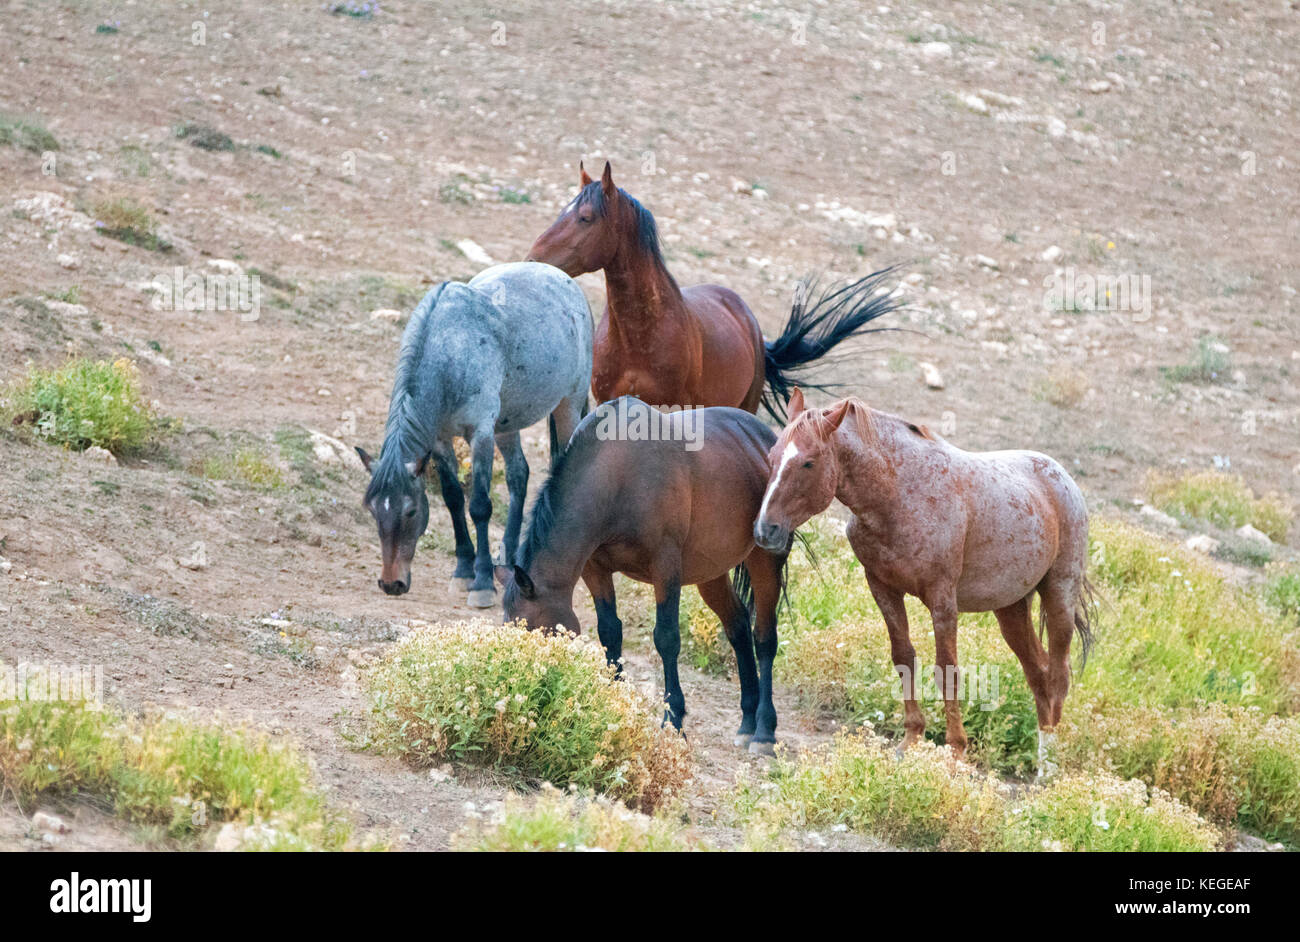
pixel 962 531
pixel 695 347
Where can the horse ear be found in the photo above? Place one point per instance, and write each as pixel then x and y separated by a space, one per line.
pixel 583 177
pixel 836 415
pixel 366 460
pixel 417 468
pixel 526 587
pixel 796 405
pixel 607 181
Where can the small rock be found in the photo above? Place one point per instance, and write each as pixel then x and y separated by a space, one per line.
pixel 1002 101
pixel 49 823
pixel 386 314
pixel 936 50
pixel 975 103
pixel 1099 86
pixel 5 565
pixel 99 455
pixel 229 838
pixel 474 252
pixel 1056 127
pixel 69 262
pixel 1248 532
pixel 933 378
pixel 226 265
pixel 983 261
pixel 1202 543
pixel 439 774
pixel 1052 253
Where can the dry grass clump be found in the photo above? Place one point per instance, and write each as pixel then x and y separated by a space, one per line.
pixel 1224 500
pixel 543 707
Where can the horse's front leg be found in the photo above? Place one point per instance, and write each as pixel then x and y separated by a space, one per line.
pixel 517 484
pixel 894 610
pixel 454 497
pixel 482 593
pixel 943 611
pixel 609 628
pixel 668 642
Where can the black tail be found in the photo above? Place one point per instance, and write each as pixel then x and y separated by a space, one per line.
pixel 815 327
pixel 745 589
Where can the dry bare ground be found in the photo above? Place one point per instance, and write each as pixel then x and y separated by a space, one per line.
pixel 979 147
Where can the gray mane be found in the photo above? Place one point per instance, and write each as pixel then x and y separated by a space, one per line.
pixel 408 431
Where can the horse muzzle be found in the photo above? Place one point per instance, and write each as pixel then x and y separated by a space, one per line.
pixel 396 587
pixel 770 536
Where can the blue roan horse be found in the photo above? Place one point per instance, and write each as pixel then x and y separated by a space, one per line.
pixel 481 360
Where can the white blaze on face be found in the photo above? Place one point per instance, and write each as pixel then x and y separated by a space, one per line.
pixel 790 453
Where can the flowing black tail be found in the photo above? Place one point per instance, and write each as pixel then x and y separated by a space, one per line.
pixel 816 326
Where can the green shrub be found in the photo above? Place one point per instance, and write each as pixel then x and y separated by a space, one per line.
pixel 1209 364
pixel 554 821
pixel 165 772
pixel 246 466
pixel 1224 500
pixel 126 220
pixel 85 403
pixel 1282 592
pixel 925 799
pixel 26 133
pixel 535 705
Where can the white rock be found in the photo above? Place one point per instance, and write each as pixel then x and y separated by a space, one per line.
pixel 226 265
pixel 1202 543
pixel 229 838
pixel 330 450
pixel 69 261
pixel 1158 516
pixel 474 252
pixel 1247 532
pixel 1052 253
pixel 983 261
pixel 933 378
pixel 1056 127
pixel 1099 86
pixel 975 103
pixel 50 823
pixel 1002 101
pixel 100 455
pixel 386 314
pixel 936 50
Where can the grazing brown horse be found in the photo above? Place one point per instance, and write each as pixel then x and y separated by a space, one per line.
pixel 691 347
pixel 962 531
pixel 668 499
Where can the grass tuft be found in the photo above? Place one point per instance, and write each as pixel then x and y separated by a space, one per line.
pixel 1224 500
pixel 538 707
pixel 26 133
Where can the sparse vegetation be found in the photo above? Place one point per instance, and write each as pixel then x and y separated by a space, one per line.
pixel 85 403
pixel 245 466
pixel 554 821
pixel 539 707
pixel 26 133
pixel 166 773
pixel 927 800
pixel 1209 364
pixel 204 137
pixel 126 220
pixel 1064 388
pixel 1224 500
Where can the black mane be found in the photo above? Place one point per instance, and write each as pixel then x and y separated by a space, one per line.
pixel 647 232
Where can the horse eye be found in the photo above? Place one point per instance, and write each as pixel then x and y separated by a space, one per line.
pixel 410 513
pixel 807 464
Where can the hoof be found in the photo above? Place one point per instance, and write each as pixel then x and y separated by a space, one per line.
pixel 762 748
pixel 743 740
pixel 482 598
pixel 461 583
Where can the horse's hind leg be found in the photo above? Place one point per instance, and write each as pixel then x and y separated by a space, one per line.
pixel 903 654
pixel 1018 630
pixel 517 483
pixel 1057 596
pixel 454 497
pixel 721 597
pixel 564 419
pixel 482 593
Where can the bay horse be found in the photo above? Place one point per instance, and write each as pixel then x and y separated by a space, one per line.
pixel 481 360
pixel 691 347
pixel 962 531
pixel 668 499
